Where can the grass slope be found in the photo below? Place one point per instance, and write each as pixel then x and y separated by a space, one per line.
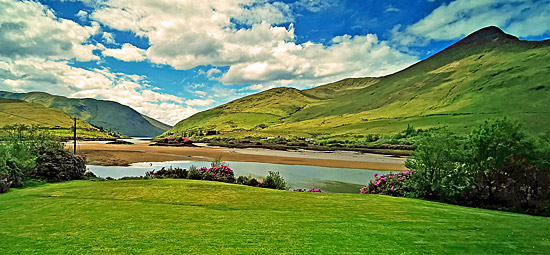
pixel 107 114
pixel 200 217
pixel 157 123
pixel 14 111
pixel 487 74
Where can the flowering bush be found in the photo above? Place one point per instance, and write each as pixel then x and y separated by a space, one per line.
pixel 218 173
pixel 177 141
pixel 310 190
pixel 388 184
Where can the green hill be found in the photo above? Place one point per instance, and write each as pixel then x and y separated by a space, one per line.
pixel 100 113
pixel 487 74
pixel 13 111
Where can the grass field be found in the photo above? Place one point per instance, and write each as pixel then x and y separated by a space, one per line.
pixel 200 217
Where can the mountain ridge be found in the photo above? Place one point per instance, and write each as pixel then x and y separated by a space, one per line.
pixel 100 113
pixel 487 74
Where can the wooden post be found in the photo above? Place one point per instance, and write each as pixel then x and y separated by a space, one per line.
pixel 74 136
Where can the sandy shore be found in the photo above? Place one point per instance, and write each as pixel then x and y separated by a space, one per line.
pixel 107 154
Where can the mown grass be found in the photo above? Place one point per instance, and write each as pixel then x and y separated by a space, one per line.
pixel 200 217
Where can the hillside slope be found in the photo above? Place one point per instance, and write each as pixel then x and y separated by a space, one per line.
pixel 100 113
pixel 487 74
pixel 13 111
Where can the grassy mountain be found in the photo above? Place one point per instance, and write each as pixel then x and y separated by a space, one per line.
pixel 157 123
pixel 13 111
pixel 487 74
pixel 106 114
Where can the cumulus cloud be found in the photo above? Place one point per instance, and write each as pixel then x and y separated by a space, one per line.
pixel 82 15
pixel 108 38
pixel 199 102
pixel 58 77
pixel 347 57
pixel 462 17
pixel 37 49
pixel 187 34
pixel 126 53
pixel 28 29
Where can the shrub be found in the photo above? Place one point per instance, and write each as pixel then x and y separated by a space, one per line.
pixel 127 178
pixel 56 165
pixel 243 180
pixel 541 153
pixel 310 190
pixel 515 186
pixel 219 173
pixel 89 176
pixel 194 173
pixel 253 182
pixel 20 151
pixel 388 184
pixel 372 138
pixel 274 181
pixel 174 173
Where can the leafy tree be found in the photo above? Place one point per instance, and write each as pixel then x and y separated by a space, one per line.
pixel 438 166
pixel 491 144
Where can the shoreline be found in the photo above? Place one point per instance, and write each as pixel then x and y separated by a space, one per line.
pixel 123 155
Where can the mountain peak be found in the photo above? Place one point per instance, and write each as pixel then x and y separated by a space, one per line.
pixel 487 35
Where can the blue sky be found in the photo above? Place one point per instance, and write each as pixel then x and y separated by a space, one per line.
pixel 172 58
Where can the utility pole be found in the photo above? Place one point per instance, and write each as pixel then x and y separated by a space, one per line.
pixel 74 136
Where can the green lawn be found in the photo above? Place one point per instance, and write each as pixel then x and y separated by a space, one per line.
pixel 186 216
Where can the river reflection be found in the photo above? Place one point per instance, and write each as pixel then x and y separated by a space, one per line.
pixel 333 180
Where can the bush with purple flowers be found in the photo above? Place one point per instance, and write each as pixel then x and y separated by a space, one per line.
pixel 218 173
pixel 388 184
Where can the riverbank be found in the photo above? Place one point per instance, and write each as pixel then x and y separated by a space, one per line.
pixel 121 155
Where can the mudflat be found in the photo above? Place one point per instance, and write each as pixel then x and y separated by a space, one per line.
pixel 117 154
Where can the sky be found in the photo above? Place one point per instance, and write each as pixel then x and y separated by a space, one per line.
pixel 170 59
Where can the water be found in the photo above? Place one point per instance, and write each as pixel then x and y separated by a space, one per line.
pixel 132 140
pixel 333 180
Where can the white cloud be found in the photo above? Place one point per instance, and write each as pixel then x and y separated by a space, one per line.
pixel 314 63
pixel 36 49
pixel 316 5
pixel 199 102
pixel 213 73
pixel 462 17
pixel 187 34
pixel 390 8
pixel 200 92
pixel 58 77
pixel 27 29
pixel 82 15
pixel 126 53
pixel 108 38
pixel 255 87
